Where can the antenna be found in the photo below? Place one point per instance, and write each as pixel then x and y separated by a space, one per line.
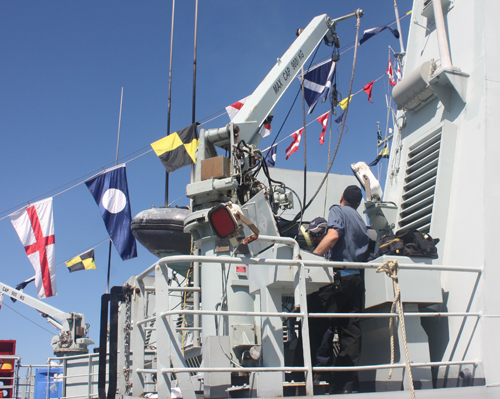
pixel 169 106
pixel 116 163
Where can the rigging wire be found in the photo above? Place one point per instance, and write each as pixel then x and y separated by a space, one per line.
pixel 84 176
pixel 328 159
pixel 300 214
pixel 350 46
pixel 389 108
pixel 218 114
pixel 68 259
pixel 293 104
pixel 93 247
pixel 304 133
pixel 27 318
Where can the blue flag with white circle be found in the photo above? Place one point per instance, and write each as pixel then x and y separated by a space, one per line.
pixel 110 192
pixel 270 155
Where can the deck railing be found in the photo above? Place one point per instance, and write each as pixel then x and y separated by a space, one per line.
pixel 163 384
pixel 165 330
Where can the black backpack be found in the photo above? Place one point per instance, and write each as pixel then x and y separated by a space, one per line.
pixel 407 243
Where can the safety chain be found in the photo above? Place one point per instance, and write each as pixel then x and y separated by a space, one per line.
pixel 127 327
pixel 390 267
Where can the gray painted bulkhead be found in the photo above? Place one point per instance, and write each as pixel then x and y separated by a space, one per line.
pixel 464 215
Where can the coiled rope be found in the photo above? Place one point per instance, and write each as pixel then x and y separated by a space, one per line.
pixel 390 267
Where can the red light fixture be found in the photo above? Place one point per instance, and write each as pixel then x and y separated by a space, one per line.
pixel 222 221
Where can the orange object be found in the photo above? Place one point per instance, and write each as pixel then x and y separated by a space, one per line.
pixel 6 365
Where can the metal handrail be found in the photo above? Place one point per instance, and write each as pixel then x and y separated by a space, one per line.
pixel 474 362
pixel 307 263
pixel 319 315
pixel 300 264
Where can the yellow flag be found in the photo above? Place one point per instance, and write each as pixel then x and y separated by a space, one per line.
pixel 83 261
pixel 344 102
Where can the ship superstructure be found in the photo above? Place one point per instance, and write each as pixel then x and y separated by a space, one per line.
pixel 231 332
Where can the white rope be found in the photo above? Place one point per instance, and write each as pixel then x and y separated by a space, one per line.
pixel 390 267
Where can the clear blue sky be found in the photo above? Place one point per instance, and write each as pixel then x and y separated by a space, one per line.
pixel 62 67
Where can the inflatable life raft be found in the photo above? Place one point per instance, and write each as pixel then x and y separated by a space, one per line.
pixel 161 232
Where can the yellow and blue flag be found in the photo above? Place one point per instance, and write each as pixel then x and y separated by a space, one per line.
pixel 382 154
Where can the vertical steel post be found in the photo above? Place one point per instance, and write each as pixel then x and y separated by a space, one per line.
pixel 444 48
pixel 401 44
pixel 306 347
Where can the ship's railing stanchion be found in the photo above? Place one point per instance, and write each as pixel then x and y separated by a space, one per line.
pixel 305 330
pixel 163 289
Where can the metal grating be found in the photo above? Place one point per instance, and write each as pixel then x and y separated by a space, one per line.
pixel 420 184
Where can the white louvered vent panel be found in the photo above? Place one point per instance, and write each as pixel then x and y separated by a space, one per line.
pixel 422 167
pixel 418 205
pixel 421 171
pixel 420 184
pixel 419 180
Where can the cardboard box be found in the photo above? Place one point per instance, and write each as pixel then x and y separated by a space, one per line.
pixel 217 167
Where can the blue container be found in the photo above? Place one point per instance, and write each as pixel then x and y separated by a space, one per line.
pixel 48 383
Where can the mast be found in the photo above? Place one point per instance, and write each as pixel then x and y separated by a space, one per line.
pixel 116 163
pixel 169 106
pixel 398 22
pixel 194 76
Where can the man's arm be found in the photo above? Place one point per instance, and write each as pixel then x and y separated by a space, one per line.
pixel 327 243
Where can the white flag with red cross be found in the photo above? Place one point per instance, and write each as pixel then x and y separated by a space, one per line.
pixel 296 136
pixel 233 109
pixel 323 119
pixel 34 225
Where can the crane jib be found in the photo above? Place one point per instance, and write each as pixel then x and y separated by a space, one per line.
pixel 289 71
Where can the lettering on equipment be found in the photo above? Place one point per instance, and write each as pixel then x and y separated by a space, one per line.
pixel 295 63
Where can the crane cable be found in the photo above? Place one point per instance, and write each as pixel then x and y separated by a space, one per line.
pixel 27 318
pixel 356 45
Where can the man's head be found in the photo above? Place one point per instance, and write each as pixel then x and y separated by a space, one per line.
pixel 317 230
pixel 352 197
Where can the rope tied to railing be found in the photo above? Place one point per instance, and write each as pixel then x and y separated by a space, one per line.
pixel 390 267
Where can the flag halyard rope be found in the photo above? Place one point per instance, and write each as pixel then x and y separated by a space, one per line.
pixel 390 267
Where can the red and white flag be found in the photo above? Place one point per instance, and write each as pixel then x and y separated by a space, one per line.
pixel 368 90
pixel 34 225
pixel 233 109
pixel 390 72
pixel 398 71
pixel 296 142
pixel 323 119
pixel 1 299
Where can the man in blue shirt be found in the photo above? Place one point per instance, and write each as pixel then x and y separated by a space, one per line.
pixel 346 240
